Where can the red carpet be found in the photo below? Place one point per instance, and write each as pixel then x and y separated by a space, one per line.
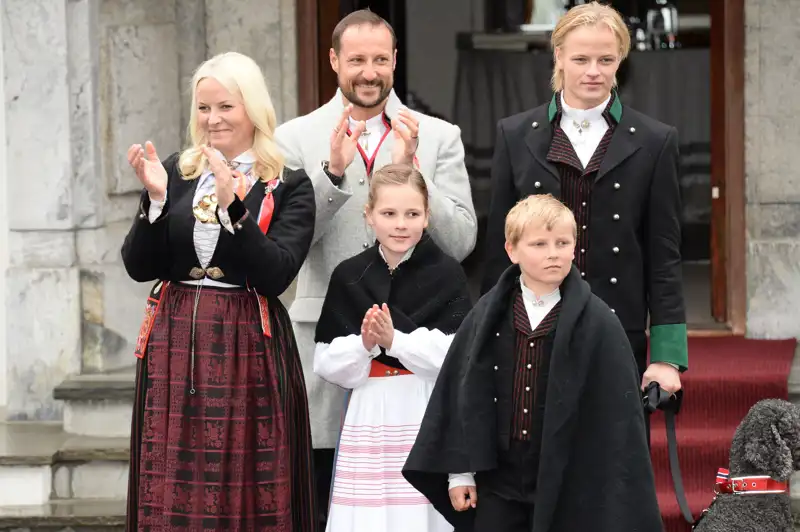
pixel 726 376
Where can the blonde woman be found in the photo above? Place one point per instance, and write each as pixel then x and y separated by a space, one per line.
pixel 220 437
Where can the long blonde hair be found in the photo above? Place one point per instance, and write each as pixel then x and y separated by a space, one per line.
pixel 241 76
pixel 591 14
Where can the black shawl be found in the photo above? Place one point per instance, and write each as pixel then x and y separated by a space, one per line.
pixel 429 290
pixel 594 470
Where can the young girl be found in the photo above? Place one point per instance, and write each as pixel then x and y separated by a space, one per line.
pixel 388 318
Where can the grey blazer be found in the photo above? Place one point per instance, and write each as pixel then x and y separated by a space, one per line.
pixel 341 231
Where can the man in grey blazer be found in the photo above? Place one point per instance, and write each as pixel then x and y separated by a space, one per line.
pixel 364 127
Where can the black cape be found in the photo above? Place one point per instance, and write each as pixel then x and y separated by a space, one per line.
pixel 429 290
pixel 595 471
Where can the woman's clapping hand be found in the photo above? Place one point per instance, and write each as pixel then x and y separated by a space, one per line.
pixel 149 170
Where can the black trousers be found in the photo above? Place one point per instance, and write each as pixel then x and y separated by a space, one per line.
pixel 506 494
pixel 497 514
pixel 323 474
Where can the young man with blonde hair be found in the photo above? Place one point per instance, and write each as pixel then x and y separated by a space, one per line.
pixel 536 421
pixel 617 169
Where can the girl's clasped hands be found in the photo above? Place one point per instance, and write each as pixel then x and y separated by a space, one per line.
pixel 377 328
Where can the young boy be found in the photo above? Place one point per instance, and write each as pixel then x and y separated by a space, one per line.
pixel 539 399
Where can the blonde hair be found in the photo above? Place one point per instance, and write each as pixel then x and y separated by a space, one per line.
pixel 396 174
pixel 242 77
pixel 543 209
pixel 591 14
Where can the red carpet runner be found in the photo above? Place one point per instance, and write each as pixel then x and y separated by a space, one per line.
pixel 726 376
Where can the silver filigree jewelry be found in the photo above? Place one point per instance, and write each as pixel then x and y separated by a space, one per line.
pixel 580 127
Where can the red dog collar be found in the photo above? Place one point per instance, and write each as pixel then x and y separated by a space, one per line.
pixel 752 485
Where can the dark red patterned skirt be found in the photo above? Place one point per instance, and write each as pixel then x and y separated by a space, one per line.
pixel 236 455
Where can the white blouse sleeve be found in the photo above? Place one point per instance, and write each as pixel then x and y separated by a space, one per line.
pixel 422 351
pixel 225 219
pixel 156 208
pixel 344 361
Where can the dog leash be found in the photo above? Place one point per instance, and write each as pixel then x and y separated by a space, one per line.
pixel 657 399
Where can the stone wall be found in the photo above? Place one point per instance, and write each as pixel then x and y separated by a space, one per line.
pixel 84 79
pixel 772 104
pixel 3 238
pixel 43 297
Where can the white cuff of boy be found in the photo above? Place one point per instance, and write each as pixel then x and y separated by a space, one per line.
pixel 456 480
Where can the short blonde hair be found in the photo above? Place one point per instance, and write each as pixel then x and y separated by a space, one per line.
pixel 591 14
pixel 539 209
pixel 241 76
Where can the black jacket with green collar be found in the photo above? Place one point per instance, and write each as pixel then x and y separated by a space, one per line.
pixel 635 217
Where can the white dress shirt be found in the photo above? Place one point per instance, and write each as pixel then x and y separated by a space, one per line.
pixel 372 136
pixel 584 140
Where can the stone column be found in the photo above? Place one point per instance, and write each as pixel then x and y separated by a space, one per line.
pixel 134 49
pixel 81 81
pixel 773 184
pixel 42 299
pixel 265 31
pixel 3 237
pixel 192 49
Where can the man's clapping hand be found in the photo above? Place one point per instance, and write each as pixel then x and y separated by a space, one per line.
pixel 344 146
pixel 405 129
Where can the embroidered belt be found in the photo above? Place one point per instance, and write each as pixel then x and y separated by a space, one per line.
pixel 150 311
pixel 154 302
pixel 213 272
pixel 379 369
pixel 751 485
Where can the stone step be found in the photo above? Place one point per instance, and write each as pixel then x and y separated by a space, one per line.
pixel 91 468
pixel 67 515
pixel 98 404
pixel 45 463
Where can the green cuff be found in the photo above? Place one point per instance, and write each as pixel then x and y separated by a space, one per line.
pixel 668 343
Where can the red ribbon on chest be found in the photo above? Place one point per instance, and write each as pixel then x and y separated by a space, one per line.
pixel 267 207
pixel 370 161
pixel 264 219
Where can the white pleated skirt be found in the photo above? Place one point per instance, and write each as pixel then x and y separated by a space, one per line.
pixel 369 492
